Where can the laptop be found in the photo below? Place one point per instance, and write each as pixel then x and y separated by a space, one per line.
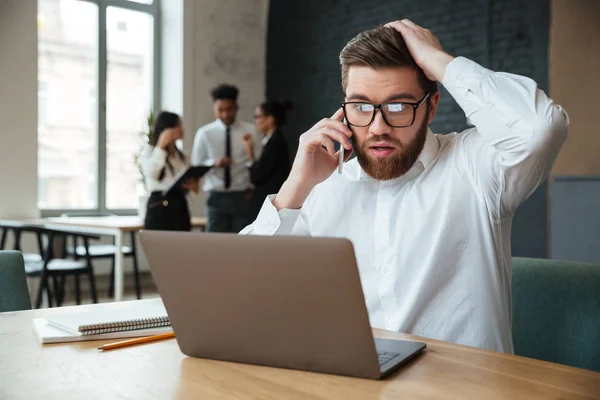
pixel 279 301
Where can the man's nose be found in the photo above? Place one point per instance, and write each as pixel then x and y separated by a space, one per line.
pixel 379 126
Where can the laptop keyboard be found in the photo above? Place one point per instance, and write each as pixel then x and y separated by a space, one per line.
pixel 384 356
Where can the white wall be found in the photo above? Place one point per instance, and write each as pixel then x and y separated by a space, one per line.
pixel 223 42
pixel 18 109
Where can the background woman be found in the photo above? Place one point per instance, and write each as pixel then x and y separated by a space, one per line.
pixel 161 160
pixel 271 169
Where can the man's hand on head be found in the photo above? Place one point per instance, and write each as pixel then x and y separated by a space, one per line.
pixel 424 47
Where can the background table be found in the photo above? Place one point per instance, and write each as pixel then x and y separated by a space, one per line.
pixel 159 370
pixel 113 226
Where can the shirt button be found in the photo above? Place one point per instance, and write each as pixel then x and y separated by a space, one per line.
pixel 490 104
pixel 459 80
pixel 385 270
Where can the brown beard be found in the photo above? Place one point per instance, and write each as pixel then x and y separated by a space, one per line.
pixel 394 166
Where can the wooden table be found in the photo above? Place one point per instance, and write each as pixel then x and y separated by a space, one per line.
pixel 113 226
pixel 159 370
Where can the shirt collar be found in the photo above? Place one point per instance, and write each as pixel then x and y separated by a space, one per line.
pixel 430 149
pixel 267 137
pixel 222 125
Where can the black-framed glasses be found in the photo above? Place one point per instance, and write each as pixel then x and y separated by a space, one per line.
pixel 395 114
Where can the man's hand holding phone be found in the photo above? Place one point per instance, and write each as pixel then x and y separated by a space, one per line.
pixel 315 160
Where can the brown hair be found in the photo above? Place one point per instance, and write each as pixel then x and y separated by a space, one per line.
pixel 381 47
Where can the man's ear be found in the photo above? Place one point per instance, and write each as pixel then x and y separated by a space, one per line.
pixel 433 104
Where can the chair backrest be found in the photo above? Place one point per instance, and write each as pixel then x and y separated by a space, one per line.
pixel 14 294
pixel 6 226
pixel 556 311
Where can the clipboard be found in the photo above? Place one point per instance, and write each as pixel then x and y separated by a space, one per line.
pixel 195 172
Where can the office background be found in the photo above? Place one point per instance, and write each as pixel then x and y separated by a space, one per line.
pixel 259 45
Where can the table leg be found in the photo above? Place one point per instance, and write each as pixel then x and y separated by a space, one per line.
pixel 119 266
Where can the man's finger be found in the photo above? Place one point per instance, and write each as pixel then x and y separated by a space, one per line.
pixel 337 125
pixel 328 144
pixel 394 24
pixel 337 136
pixel 338 115
pixel 410 24
pixel 400 27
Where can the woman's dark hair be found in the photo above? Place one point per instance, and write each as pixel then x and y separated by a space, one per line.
pixel 277 110
pixel 165 120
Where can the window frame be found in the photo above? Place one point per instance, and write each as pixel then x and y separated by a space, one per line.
pixel 154 10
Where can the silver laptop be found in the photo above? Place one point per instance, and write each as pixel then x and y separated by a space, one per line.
pixel 283 301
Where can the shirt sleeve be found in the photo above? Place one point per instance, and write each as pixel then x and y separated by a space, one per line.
pixel 153 161
pixel 271 222
pixel 518 132
pixel 199 154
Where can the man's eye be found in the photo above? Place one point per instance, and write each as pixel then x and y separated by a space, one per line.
pixel 396 107
pixel 365 107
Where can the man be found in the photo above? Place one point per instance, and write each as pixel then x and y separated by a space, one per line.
pixel 228 183
pixel 429 215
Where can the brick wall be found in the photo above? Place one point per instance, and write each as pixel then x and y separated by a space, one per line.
pixel 305 38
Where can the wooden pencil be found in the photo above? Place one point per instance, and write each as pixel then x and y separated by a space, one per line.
pixel 131 342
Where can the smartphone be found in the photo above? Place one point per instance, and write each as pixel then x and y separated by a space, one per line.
pixel 343 150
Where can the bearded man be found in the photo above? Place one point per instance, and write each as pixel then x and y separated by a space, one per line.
pixel 429 215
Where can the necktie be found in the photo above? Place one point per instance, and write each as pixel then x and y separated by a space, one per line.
pixel 228 155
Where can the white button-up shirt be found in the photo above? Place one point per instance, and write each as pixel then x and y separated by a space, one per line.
pixel 210 145
pixel 433 246
pixel 152 161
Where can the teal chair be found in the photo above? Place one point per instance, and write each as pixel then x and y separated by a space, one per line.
pixel 556 311
pixel 14 294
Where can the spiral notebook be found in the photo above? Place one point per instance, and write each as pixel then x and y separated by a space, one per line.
pixel 48 333
pixel 109 321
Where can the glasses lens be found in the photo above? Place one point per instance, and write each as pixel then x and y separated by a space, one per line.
pixel 399 114
pixel 359 114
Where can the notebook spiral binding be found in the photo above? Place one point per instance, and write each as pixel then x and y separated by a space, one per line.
pixel 117 326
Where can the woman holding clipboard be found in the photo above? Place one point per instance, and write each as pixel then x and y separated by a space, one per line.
pixel 161 162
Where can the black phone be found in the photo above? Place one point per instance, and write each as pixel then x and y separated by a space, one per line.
pixel 343 150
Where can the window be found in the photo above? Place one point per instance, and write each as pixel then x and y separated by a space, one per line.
pixel 67 143
pixel 42 103
pixel 129 100
pixel 96 86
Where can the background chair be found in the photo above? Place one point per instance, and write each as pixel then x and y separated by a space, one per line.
pixel 108 251
pixel 56 267
pixel 14 295
pixel 16 227
pixel 556 311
